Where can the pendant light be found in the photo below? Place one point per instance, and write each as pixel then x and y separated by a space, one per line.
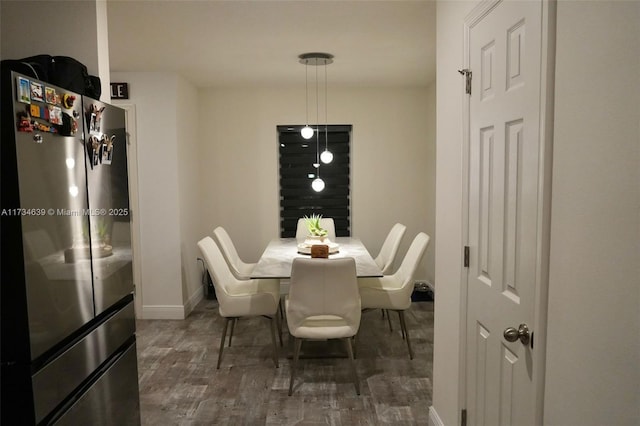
pixel 306 132
pixel 318 183
pixel 326 156
pixel 316 59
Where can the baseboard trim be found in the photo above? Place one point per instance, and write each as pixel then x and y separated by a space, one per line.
pixel 173 312
pixel 434 418
pixel 193 301
pixel 169 312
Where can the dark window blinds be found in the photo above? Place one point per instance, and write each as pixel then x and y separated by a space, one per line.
pixel 297 198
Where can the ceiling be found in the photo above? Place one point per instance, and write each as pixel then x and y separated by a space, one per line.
pixel 232 43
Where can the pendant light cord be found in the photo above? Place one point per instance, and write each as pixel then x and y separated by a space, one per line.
pixel 306 88
pixel 326 119
pixel 317 126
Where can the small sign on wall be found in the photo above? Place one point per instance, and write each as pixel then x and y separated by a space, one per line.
pixel 119 90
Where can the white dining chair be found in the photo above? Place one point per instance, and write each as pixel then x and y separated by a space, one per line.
pixel 387 255
pixel 393 292
pixel 240 269
pixel 240 298
pixel 326 223
pixel 323 303
pixel 389 249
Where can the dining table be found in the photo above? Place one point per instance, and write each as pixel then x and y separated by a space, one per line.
pixel 277 258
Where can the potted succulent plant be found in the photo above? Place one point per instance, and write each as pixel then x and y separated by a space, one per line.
pixel 316 232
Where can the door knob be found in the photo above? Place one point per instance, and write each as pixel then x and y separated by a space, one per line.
pixel 522 333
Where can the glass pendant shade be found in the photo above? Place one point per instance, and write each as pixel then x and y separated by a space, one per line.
pixel 326 157
pixel 307 132
pixel 317 184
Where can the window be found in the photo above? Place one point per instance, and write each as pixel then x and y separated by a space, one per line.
pixel 297 198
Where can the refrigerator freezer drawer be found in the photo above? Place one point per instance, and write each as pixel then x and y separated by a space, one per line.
pixel 111 400
pixel 54 382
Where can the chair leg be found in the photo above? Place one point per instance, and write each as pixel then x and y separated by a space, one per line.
pixel 403 324
pixel 279 325
pixel 388 320
pixel 401 328
pixel 233 325
pixel 222 338
pixel 272 327
pixel 347 344
pixel 296 354
pixel 355 345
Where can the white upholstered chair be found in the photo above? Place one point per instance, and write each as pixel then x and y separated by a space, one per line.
pixel 240 298
pixel 240 269
pixel 323 303
pixel 393 292
pixel 387 255
pixel 389 249
pixel 326 223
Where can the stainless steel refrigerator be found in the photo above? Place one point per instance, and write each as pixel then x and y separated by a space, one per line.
pixel 68 327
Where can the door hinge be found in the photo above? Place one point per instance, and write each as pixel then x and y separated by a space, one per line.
pixel 467 76
pixel 466 256
pixel 463 418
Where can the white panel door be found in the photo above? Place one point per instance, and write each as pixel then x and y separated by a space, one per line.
pixel 504 225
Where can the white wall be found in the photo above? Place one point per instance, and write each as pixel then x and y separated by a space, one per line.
pixel 430 185
pixel 593 350
pixel 392 161
pixel 161 177
pixel 102 47
pixel 448 250
pixel 66 28
pixel 189 191
pixel 593 323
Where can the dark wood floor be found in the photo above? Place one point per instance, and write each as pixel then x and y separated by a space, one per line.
pixel 179 383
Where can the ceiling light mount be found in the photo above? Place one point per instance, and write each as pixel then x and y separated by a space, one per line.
pixel 316 58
